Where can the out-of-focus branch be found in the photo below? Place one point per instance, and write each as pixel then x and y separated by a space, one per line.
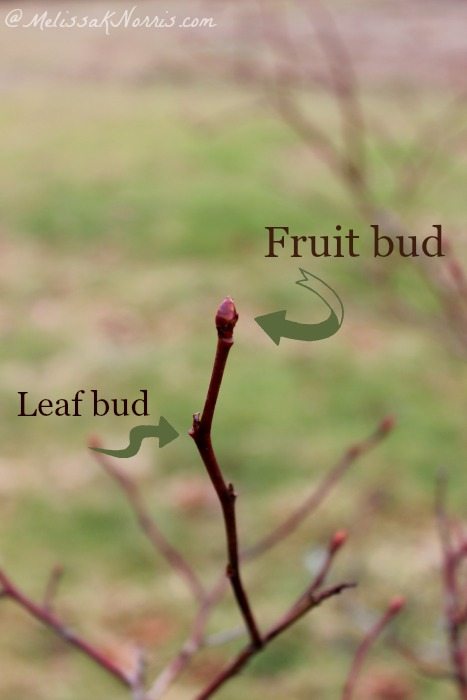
pixel 438 132
pixel 453 554
pixel 195 641
pixel 347 92
pixel 279 91
pixel 349 162
pixel 148 525
pixel 311 598
pixel 452 600
pixel 394 609
pixel 226 318
pixel 51 588
pixel 138 687
pixel 314 500
pixel 424 667
pixel 50 620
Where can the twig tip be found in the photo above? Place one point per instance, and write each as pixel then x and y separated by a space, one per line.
pixel 387 425
pixel 396 605
pixel 226 318
pixel 338 540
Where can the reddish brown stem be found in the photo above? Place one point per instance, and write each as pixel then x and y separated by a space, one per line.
pixel 310 599
pixel 284 530
pixel 394 609
pixel 147 524
pixel 50 620
pixel 226 319
pixel 308 602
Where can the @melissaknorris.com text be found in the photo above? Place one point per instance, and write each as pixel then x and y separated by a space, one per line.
pixel 131 18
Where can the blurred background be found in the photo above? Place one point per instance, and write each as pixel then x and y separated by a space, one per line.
pixel 137 173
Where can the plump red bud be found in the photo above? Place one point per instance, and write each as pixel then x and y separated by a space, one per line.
pixel 338 540
pixel 226 318
pixel 396 605
pixel 386 425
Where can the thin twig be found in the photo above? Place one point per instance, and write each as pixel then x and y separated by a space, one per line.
pixel 451 592
pixel 347 163
pixel 295 614
pixel 148 525
pixel 224 637
pixel 51 588
pixel 423 666
pixel 138 687
pixel 50 620
pixel 310 599
pixel 314 500
pixel 195 641
pixel 394 609
pixel 226 318
pixel 346 90
pixel 438 132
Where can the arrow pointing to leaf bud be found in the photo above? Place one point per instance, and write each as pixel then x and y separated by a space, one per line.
pixel 164 431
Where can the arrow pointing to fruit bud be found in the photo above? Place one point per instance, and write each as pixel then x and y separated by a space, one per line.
pixel 164 431
pixel 277 326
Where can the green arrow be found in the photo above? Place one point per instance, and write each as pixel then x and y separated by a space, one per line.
pixel 276 326
pixel 164 431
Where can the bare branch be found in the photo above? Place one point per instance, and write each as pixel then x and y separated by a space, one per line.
pixel 430 138
pixel 148 525
pixel 314 500
pixel 138 687
pixel 346 90
pixel 224 637
pixel 394 609
pixel 226 318
pixel 281 533
pixel 50 620
pixel 424 667
pixel 310 599
pixel 452 603
pixel 195 641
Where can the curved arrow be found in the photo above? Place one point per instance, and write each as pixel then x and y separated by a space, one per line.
pixel 164 431
pixel 276 326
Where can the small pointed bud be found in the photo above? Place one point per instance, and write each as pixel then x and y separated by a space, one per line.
pixel 338 540
pixel 396 605
pixel 226 318
pixel 386 425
